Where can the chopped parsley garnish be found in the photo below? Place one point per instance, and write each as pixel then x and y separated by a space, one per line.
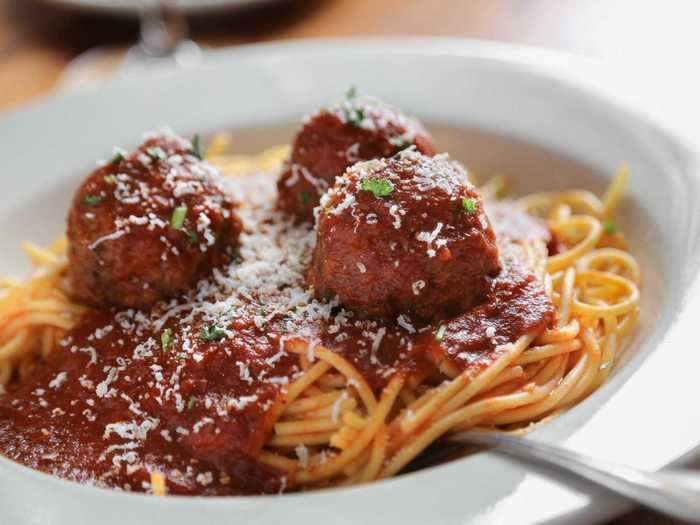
pixel 177 219
pixel 379 187
pixel 156 152
pixel 469 205
pixel 283 324
pixel 118 157
pixel 211 333
pixel 190 403
pixel 440 333
pixel 111 179
pixel 355 116
pixel 197 147
pixel 304 197
pixel 92 200
pixel 166 338
pixel 609 227
pixel 192 236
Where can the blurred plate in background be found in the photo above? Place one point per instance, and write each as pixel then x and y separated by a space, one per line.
pixel 132 7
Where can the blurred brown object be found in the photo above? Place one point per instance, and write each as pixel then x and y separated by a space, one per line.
pixel 36 42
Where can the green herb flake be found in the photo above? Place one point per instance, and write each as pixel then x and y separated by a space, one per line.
pixel 192 236
pixel 211 333
pixel 440 333
pixel 351 92
pixel 355 116
pixel 111 179
pixel 177 219
pixel 156 152
pixel 236 257
pixel 379 187
pixel 92 200
pixel 166 338
pixel 285 322
pixel 609 227
pixel 118 157
pixel 191 402
pixel 197 147
pixel 305 198
pixel 469 205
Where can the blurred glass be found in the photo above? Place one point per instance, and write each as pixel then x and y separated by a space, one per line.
pixel 163 38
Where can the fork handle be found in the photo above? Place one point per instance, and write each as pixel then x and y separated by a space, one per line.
pixel 673 492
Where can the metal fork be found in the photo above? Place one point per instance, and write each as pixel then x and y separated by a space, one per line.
pixel 674 492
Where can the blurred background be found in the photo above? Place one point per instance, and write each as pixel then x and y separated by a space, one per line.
pixel 40 38
pixel 50 45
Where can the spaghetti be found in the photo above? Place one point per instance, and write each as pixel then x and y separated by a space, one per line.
pixel 328 419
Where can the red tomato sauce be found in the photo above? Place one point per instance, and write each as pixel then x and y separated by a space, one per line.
pixel 192 388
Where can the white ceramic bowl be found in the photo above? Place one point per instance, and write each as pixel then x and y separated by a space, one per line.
pixel 646 415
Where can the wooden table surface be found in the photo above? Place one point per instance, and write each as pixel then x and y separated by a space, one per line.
pixel 36 42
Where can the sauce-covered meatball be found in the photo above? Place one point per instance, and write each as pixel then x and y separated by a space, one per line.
pixel 404 235
pixel 334 138
pixel 145 227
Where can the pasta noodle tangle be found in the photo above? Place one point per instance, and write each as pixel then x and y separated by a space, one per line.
pixel 351 434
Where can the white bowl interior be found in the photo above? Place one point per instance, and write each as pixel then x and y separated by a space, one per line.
pixel 558 136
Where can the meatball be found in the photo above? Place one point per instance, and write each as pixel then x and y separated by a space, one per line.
pixel 145 227
pixel 404 235
pixel 334 138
